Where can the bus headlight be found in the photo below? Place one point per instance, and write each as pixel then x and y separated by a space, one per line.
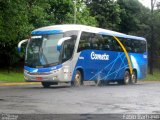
pixel 55 77
pixel 65 70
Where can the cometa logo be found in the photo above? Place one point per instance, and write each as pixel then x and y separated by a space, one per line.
pixel 95 56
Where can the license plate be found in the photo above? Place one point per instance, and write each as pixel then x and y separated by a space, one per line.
pixel 39 78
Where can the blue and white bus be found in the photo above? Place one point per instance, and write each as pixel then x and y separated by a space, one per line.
pixel 77 53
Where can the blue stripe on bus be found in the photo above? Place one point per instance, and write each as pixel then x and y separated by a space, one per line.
pixel 40 70
pixel 38 32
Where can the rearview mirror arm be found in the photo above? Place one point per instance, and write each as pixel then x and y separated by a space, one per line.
pixel 20 43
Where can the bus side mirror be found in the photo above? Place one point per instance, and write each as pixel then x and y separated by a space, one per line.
pixel 20 43
pixel 59 45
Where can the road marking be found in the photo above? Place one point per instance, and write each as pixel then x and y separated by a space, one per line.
pixel 126 53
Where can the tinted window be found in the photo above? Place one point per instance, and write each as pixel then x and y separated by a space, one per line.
pixel 105 42
pixel 135 46
pixel 97 42
pixel 111 44
pixel 85 41
pixel 68 48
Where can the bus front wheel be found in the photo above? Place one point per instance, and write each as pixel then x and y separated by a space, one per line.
pixel 45 84
pixel 77 79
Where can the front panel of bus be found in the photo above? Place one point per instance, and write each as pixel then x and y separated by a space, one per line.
pixel 43 62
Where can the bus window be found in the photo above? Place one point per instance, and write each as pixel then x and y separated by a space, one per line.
pixel 68 48
pixel 107 42
pixel 111 44
pixel 97 42
pixel 142 46
pixel 135 46
pixel 85 41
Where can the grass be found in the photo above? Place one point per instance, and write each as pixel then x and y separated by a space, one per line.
pixel 154 77
pixel 17 76
pixel 13 76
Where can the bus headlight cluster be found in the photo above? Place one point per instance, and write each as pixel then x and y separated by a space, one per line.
pixel 55 77
pixel 65 70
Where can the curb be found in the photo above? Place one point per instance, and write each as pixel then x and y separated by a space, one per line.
pixel 18 84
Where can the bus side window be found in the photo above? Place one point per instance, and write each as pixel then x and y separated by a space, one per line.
pixel 68 48
pixel 128 45
pixel 143 46
pixel 85 42
pixel 97 42
pixel 107 42
pixel 138 46
pixel 113 44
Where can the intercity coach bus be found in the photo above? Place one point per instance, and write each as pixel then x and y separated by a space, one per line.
pixel 77 53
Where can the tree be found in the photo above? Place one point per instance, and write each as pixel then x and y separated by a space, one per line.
pixel 14 26
pixel 59 10
pixel 106 12
pixel 154 25
pixel 37 13
pixel 83 15
pixel 130 11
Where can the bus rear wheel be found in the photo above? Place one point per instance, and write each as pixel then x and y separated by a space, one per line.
pixel 133 78
pixel 126 79
pixel 77 79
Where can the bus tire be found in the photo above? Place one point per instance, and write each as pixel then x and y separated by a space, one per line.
pixel 133 77
pixel 77 79
pixel 127 77
pixel 45 84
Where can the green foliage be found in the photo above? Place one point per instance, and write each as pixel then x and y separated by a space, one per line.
pixel 13 19
pixel 82 15
pixel 59 10
pixel 37 14
pixel 106 12
pixel 130 11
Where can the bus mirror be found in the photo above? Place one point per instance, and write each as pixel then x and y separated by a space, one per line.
pixel 20 43
pixel 59 45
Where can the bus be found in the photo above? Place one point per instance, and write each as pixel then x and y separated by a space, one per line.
pixel 76 53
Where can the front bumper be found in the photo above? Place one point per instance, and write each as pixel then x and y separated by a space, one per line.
pixel 52 76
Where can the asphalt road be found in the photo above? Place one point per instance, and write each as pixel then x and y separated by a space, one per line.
pixel 142 98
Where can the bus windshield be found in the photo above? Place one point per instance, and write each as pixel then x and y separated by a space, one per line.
pixel 42 51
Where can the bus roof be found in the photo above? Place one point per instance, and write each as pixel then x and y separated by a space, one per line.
pixel 67 27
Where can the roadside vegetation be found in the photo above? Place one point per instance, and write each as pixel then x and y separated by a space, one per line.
pixel 13 76
pixel 155 77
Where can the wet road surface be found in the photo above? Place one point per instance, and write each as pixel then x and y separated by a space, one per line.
pixel 142 98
